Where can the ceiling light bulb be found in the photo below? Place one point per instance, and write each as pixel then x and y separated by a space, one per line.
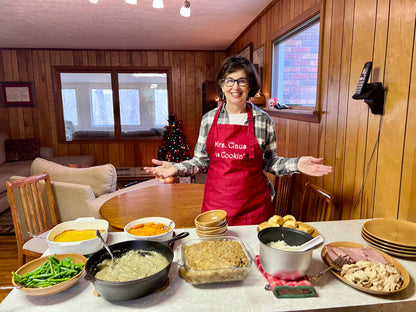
pixel 131 1
pixel 93 1
pixel 158 4
pixel 186 9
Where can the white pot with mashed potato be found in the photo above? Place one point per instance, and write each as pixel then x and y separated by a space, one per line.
pixel 77 236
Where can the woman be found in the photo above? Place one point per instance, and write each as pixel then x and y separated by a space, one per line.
pixel 237 142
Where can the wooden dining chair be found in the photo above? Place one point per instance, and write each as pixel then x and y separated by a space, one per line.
pixel 317 204
pixel 32 204
pixel 284 195
pixel 283 187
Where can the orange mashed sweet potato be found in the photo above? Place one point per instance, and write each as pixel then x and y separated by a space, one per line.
pixel 148 229
pixel 75 235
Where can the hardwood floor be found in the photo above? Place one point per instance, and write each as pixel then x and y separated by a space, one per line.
pixel 8 262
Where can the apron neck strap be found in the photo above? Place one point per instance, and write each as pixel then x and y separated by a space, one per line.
pixel 251 147
pixel 251 136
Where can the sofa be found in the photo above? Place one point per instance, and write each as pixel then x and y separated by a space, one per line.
pixel 90 134
pixel 17 155
pixel 80 192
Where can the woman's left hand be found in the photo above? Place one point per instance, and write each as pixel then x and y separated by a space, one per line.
pixel 313 166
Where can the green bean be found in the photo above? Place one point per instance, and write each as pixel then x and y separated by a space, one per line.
pixel 52 272
pixel 42 275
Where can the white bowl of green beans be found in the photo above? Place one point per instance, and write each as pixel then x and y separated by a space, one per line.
pixel 50 274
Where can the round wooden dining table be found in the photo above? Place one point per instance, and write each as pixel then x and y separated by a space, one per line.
pixel 179 202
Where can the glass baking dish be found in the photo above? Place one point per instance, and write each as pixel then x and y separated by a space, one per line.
pixel 236 272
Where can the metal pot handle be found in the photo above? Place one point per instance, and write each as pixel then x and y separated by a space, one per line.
pixel 176 237
pixel 89 276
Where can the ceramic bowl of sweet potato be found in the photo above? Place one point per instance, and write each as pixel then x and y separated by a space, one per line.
pixel 157 229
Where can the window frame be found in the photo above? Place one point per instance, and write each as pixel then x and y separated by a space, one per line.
pixel 114 71
pixel 301 113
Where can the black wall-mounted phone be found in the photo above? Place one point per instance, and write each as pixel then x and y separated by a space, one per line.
pixel 371 93
pixel 362 82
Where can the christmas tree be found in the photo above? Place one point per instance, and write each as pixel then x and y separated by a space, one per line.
pixel 174 147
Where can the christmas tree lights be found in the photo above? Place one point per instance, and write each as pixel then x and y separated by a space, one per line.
pixel 174 147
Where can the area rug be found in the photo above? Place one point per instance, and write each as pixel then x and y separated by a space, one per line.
pixel 6 223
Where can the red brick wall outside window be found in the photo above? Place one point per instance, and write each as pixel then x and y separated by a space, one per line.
pixel 296 67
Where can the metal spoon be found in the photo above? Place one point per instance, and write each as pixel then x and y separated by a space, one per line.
pixel 98 233
pixel 169 227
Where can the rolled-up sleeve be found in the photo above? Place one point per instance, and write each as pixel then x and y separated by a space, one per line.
pixel 200 161
pixel 266 137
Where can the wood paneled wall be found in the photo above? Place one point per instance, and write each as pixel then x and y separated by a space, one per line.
pixel 189 70
pixel 373 156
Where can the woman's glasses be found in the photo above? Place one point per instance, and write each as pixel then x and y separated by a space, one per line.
pixel 229 82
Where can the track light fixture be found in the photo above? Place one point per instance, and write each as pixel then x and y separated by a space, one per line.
pixel 186 9
pixel 158 4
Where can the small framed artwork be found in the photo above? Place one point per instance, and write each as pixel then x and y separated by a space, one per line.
pixel 258 62
pixel 247 52
pixel 17 94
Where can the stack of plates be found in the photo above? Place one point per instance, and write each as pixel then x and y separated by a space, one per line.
pixel 395 237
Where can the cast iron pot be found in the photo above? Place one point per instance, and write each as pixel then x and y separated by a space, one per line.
pixel 284 264
pixel 134 289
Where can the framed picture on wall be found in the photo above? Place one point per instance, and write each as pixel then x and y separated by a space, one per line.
pixel 17 94
pixel 247 52
pixel 258 62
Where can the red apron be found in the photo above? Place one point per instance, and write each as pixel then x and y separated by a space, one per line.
pixel 235 180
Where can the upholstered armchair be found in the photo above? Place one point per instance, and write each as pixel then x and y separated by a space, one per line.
pixel 80 192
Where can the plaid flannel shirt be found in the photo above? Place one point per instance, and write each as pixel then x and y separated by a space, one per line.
pixel 266 137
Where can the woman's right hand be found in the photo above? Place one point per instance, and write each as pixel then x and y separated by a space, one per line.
pixel 163 170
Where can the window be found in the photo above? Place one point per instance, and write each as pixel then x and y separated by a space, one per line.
pixel 295 65
pixel 93 107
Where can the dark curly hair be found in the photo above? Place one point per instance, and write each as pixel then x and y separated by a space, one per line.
pixel 234 63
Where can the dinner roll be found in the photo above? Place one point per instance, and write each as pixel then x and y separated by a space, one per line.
pixel 290 224
pixel 304 227
pixel 276 219
pixel 288 217
pixel 263 225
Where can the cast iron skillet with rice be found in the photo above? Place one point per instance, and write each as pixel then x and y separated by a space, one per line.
pixel 137 287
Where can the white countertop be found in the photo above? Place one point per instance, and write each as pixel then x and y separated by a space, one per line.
pixel 247 295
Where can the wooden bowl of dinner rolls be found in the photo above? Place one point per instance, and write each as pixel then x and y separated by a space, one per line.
pixel 288 221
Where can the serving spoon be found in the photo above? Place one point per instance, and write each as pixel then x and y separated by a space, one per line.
pixel 98 233
pixel 169 226
pixel 311 243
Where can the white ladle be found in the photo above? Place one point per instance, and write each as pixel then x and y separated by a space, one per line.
pixel 311 243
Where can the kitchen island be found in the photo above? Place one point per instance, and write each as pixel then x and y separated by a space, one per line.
pixel 247 295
